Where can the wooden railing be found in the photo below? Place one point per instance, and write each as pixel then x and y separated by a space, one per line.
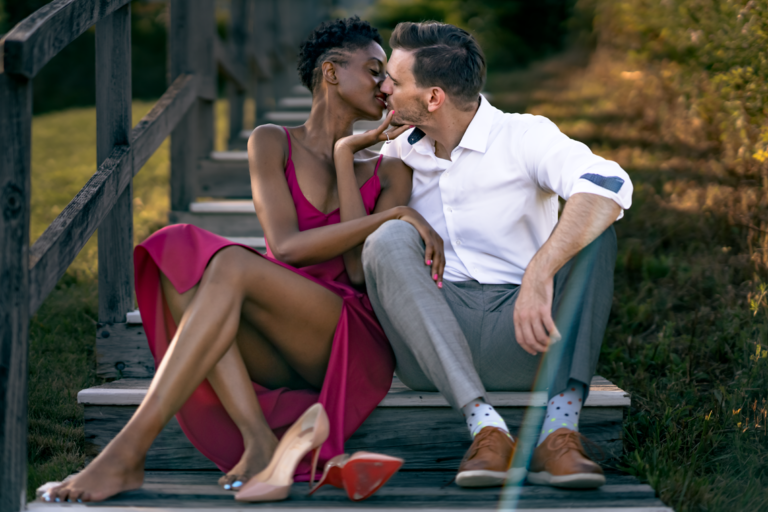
pixel 248 59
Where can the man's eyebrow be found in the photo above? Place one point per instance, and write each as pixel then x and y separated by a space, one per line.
pixel 390 76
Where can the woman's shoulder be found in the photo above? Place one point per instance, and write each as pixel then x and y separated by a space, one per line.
pixel 268 142
pixel 268 136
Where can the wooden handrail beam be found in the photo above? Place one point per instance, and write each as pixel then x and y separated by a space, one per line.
pixel 55 250
pixel 236 72
pixel 43 34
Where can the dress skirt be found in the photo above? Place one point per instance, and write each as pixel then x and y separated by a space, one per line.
pixel 359 372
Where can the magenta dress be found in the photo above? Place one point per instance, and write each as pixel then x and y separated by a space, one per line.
pixel 361 364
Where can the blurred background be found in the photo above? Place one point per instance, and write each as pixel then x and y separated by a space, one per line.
pixel 675 91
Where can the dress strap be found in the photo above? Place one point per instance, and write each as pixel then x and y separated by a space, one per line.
pixel 378 163
pixel 287 134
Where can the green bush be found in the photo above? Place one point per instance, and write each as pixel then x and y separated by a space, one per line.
pixel 512 33
pixel 710 58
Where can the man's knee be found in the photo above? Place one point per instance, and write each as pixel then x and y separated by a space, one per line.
pixel 393 235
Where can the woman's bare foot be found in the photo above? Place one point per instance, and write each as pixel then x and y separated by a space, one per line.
pixel 115 470
pixel 255 458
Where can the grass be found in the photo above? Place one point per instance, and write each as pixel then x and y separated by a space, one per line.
pixel 687 334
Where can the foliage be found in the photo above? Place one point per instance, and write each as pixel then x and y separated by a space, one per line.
pixel 676 95
pixel 512 33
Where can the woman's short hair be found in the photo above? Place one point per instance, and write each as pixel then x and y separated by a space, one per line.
pixel 445 56
pixel 333 40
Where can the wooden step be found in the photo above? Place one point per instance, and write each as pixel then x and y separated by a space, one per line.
pixel 225 175
pixel 418 426
pixel 422 491
pixel 236 218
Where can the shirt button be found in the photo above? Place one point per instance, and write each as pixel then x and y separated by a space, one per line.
pixel 458 242
pixel 450 209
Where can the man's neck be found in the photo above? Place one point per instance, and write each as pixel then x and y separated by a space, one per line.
pixel 447 127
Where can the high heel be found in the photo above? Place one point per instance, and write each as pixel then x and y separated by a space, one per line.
pixel 360 475
pixel 274 483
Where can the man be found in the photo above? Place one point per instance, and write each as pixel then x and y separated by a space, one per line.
pixel 488 183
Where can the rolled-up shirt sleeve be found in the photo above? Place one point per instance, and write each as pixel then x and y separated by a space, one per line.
pixel 567 167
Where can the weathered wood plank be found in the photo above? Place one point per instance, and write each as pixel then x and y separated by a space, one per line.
pixel 228 179
pixel 230 65
pixel 191 42
pixel 127 340
pixel 16 137
pixel 122 352
pixel 43 34
pixel 158 124
pixel 113 127
pixel 238 39
pixel 428 438
pixel 239 224
pixel 53 252
pixel 406 490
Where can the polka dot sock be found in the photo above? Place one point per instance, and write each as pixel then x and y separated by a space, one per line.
pixel 563 409
pixel 480 415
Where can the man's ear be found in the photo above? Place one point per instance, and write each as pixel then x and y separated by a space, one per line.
pixel 436 98
pixel 329 72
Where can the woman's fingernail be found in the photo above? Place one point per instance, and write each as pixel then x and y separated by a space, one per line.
pixel 227 486
pixel 429 262
pixel 411 126
pixel 58 500
pixel 79 500
pixel 434 277
pixel 237 484
pixel 440 284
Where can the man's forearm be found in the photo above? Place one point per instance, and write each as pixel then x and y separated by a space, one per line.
pixel 584 218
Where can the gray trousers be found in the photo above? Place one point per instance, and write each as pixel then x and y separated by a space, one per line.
pixel 460 340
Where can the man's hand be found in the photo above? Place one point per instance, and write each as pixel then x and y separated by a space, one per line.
pixel 534 328
pixel 584 217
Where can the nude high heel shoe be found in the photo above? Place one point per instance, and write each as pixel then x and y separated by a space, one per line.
pixel 274 483
pixel 361 474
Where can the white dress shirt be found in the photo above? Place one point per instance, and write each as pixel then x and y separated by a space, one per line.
pixel 495 202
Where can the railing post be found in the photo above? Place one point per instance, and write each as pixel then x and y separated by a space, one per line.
pixel 191 49
pixel 113 126
pixel 263 41
pixel 236 43
pixel 16 137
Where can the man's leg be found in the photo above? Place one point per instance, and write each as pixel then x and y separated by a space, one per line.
pixel 583 292
pixel 431 350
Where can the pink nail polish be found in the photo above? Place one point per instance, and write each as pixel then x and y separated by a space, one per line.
pixel 440 284
pixel 429 262
pixel 434 277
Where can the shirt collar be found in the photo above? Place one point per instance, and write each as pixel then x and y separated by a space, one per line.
pixel 475 137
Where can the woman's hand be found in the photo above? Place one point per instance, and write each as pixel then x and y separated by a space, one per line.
pixel 434 256
pixel 355 143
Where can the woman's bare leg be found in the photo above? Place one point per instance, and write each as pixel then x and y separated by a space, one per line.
pixel 296 315
pixel 232 384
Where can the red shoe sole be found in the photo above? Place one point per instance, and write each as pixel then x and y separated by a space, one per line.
pixel 363 476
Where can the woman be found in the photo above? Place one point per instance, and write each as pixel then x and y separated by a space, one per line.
pixel 224 321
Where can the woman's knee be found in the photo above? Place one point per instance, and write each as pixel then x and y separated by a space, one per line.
pixel 229 264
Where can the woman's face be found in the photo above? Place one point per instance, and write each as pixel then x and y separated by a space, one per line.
pixel 360 81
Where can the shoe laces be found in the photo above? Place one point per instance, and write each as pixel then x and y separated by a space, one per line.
pixel 482 440
pixel 571 441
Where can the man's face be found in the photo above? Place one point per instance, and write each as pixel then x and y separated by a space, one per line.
pixel 404 96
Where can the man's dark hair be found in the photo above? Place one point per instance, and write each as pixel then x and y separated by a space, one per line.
pixel 445 56
pixel 333 40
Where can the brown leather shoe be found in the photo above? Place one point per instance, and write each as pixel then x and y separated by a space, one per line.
pixel 486 462
pixel 560 461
